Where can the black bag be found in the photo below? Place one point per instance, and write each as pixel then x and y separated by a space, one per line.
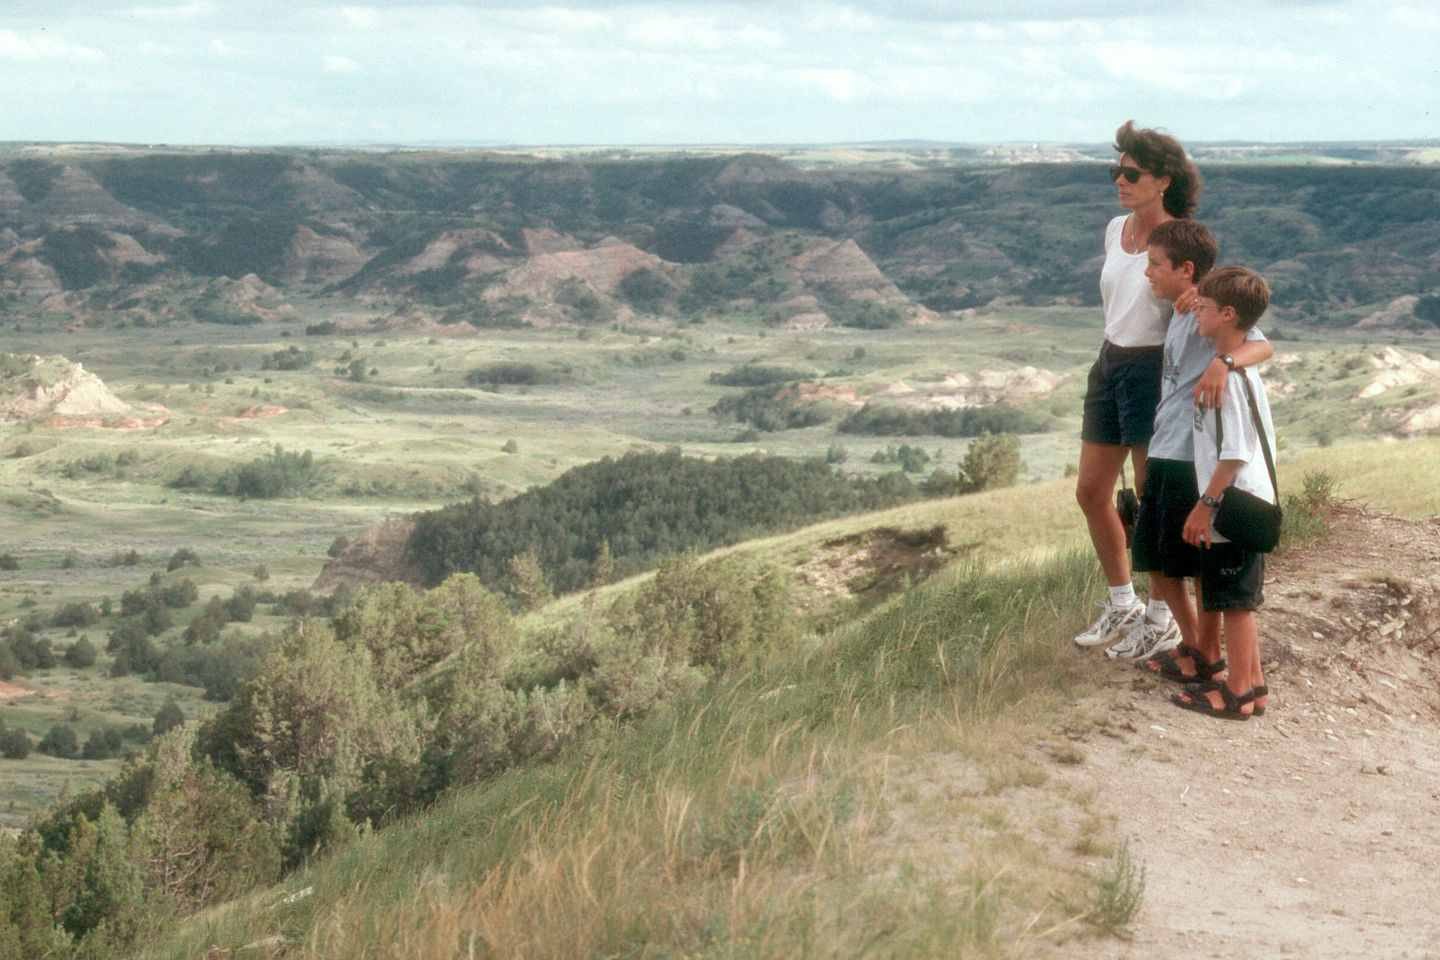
pixel 1128 506
pixel 1248 521
pixel 1243 518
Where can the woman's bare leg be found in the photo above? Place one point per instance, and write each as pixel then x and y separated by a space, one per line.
pixel 1095 492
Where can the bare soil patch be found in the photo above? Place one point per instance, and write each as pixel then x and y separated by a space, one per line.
pixel 872 562
pixel 1313 831
pixel 13 691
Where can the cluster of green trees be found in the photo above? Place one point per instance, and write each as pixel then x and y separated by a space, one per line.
pixel 890 420
pixel 22 651
pixel 291 358
pixel 354 721
pixel 493 376
pixel 757 375
pixel 281 474
pixel 644 506
pixel 769 409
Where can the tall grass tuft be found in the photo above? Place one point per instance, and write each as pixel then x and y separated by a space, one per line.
pixel 1307 513
pixel 1118 893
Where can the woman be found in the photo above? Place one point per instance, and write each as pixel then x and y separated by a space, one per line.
pixel 1156 182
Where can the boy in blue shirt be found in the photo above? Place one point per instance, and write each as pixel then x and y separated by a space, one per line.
pixel 1181 253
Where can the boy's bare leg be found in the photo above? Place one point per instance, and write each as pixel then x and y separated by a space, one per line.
pixel 1242 657
pixel 1173 592
pixel 1211 628
pixel 1199 629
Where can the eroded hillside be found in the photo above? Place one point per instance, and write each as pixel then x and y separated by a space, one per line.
pixel 492 239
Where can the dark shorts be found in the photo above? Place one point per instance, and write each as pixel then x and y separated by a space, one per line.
pixel 1122 394
pixel 1158 545
pixel 1231 578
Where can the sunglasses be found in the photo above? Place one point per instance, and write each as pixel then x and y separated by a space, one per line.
pixel 1131 174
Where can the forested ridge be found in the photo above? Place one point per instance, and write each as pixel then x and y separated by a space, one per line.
pixel 641 507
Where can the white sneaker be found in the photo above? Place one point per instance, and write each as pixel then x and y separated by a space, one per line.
pixel 1145 641
pixel 1114 622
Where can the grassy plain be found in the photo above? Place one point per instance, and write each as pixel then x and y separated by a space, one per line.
pixel 417 434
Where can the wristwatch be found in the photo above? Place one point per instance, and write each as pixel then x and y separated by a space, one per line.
pixel 1210 501
pixel 1228 360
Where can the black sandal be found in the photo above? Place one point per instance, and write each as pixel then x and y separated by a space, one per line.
pixel 1230 711
pixel 1165 666
pixel 1193 690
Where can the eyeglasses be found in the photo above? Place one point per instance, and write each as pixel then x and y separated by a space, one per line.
pixel 1131 174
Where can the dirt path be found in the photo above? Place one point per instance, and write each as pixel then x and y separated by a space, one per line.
pixel 1313 831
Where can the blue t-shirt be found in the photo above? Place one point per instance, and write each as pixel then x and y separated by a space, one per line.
pixel 1187 354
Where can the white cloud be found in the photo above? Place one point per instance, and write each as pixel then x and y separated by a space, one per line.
pixel 841 86
pixel 36 48
pixel 720 70
pixel 193 10
pixel 360 18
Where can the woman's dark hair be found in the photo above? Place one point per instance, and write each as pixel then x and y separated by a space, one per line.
pixel 1161 155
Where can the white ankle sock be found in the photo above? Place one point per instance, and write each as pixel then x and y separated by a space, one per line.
pixel 1158 612
pixel 1122 596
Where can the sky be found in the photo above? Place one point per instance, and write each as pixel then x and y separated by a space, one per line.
pixel 699 72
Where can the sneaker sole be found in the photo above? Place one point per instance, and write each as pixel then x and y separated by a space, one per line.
pixel 1135 656
pixel 1122 629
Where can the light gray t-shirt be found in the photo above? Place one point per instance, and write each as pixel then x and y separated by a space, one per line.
pixel 1241 441
pixel 1187 354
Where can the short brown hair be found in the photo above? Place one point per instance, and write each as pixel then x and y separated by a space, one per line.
pixel 1241 288
pixel 1161 155
pixel 1186 240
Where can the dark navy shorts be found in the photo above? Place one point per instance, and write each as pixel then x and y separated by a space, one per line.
pixel 1158 545
pixel 1122 394
pixel 1231 578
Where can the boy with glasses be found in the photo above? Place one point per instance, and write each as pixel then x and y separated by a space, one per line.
pixel 1228 453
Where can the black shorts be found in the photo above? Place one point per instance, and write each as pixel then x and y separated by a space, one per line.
pixel 1158 545
pixel 1122 394
pixel 1231 578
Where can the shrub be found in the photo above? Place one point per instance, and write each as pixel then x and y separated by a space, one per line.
pixel 168 717
pixel 991 461
pixel 15 744
pixel 182 557
pixel 691 619
pixel 280 474
pixel 80 655
pixel 1428 308
pixel 646 290
pixel 74 615
pixel 61 742
pixel 104 743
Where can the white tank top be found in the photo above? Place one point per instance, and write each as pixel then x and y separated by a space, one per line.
pixel 1134 317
